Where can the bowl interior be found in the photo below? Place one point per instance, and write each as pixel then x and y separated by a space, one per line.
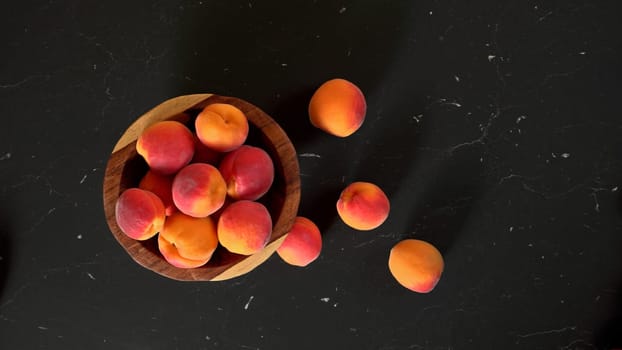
pixel 126 167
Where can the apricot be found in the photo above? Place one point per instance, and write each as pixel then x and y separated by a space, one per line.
pixel 248 172
pixel 338 107
pixel 416 265
pixel 199 190
pixel 186 241
pixel 244 227
pixel 363 206
pixel 204 154
pixel 303 243
pixel 221 127
pixel 166 146
pixel 140 214
pixel 161 186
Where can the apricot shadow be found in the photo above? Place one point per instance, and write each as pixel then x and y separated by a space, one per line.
pixel 445 205
pixel 388 158
pixel 438 214
pixel 454 183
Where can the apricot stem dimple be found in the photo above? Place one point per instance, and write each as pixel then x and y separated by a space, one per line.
pixel 224 120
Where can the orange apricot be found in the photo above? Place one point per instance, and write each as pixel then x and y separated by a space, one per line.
pixel 186 241
pixel 222 127
pixel 338 107
pixel 416 265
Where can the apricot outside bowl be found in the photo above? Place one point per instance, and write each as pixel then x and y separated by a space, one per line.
pixel 125 168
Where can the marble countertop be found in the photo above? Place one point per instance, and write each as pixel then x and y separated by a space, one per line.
pixel 494 128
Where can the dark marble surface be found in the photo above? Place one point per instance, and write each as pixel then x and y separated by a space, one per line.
pixel 494 128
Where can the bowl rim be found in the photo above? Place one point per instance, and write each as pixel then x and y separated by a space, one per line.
pixel 286 165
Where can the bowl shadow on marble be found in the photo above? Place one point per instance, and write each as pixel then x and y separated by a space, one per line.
pixel 245 63
pixel 5 250
pixel 610 335
pixel 292 114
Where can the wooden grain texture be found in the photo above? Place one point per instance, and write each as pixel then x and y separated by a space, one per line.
pixel 125 168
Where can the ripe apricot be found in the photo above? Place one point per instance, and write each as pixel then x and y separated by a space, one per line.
pixel 199 190
pixel 248 172
pixel 244 227
pixel 166 146
pixel 222 127
pixel 302 244
pixel 338 107
pixel 416 265
pixel 140 214
pixel 186 241
pixel 363 206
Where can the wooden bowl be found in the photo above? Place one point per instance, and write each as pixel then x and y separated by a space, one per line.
pixel 126 167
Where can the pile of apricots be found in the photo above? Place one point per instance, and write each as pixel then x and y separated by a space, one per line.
pixel 202 190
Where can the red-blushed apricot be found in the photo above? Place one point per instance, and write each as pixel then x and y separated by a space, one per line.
pixel 187 242
pixel 204 154
pixel 161 186
pixel 302 244
pixel 140 214
pixel 221 127
pixel 416 265
pixel 244 227
pixel 199 190
pixel 338 107
pixel 166 146
pixel 248 172
pixel 363 206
